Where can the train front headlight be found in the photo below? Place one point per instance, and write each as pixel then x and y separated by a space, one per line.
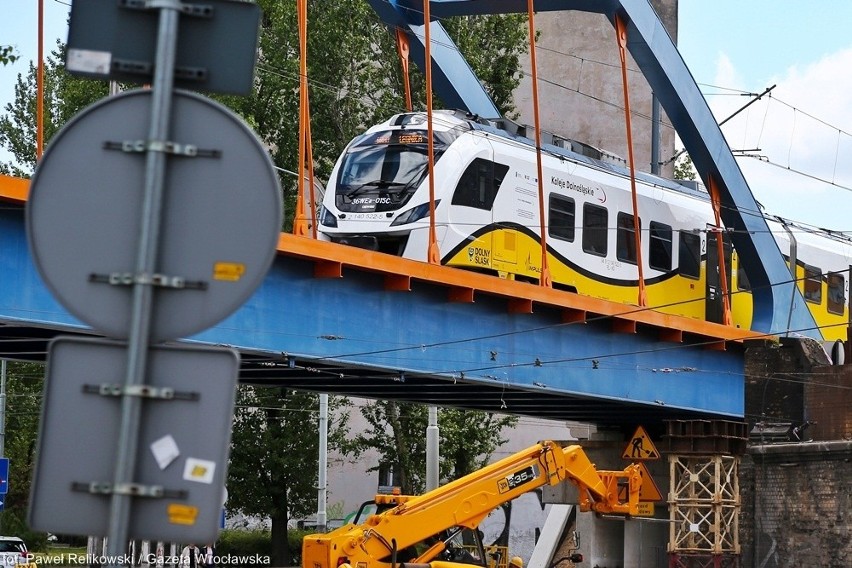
pixel 413 214
pixel 327 218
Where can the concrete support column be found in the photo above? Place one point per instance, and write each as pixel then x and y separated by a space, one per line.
pixel 645 543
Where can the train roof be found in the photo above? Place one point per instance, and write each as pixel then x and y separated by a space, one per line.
pixel 553 144
pixel 580 152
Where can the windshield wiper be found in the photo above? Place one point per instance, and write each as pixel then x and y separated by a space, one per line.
pixel 377 183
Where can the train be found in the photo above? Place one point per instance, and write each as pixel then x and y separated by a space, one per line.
pixel 487 219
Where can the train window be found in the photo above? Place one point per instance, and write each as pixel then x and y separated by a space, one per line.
pixel 836 293
pixel 660 247
pixel 742 278
pixel 594 229
pixel 813 284
pixel 625 238
pixel 561 217
pixel 479 183
pixel 689 255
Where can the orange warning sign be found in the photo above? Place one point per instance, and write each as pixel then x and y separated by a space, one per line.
pixel 648 491
pixel 640 447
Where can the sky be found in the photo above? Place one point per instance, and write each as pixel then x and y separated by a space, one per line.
pixel 802 135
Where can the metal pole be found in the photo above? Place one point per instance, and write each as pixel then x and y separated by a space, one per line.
pixel 138 340
pixel 432 450
pixel 655 135
pixel 322 495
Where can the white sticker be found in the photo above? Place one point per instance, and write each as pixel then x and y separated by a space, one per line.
pixel 694 527
pixel 88 61
pixel 165 451
pixel 199 470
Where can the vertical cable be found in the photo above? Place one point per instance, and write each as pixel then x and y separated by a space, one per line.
pixel 402 50
pixel 720 247
pixel 545 279
pixel 434 255
pixel 299 222
pixel 40 84
pixel 305 157
pixel 621 32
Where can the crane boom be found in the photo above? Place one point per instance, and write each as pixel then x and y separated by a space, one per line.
pixel 467 501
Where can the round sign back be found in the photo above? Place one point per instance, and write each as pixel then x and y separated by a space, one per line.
pixel 220 219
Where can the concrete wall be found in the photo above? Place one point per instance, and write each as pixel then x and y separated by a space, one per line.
pixel 580 87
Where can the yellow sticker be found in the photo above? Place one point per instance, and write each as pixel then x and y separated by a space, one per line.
pixel 645 509
pixel 181 514
pixel 230 271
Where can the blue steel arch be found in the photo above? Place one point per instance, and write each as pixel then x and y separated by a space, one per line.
pixel 778 305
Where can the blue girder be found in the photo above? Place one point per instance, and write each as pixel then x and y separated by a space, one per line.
pixel 778 305
pixel 351 335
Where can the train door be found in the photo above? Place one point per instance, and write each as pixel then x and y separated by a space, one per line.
pixel 471 213
pixel 715 311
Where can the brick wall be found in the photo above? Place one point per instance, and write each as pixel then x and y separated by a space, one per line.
pixel 797 505
pixel 828 399
pixel 787 382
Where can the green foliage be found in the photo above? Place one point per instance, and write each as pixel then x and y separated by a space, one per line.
pixel 244 543
pixel 274 451
pixel 15 523
pixel 355 81
pixel 294 544
pixel 64 96
pixel 258 543
pixel 397 432
pixel 683 168
pixel 355 76
pixel 24 383
pixel 8 55
pixel 493 46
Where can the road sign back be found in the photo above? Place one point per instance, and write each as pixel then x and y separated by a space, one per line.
pixel 184 436
pixel 640 447
pixel 220 222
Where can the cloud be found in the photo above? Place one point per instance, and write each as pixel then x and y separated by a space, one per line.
pixel 805 125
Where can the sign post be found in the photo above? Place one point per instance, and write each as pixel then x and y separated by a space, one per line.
pixel 640 448
pixel 143 265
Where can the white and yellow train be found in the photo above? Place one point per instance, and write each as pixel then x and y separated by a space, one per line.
pixel 487 219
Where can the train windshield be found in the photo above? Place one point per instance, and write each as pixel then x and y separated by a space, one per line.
pixel 382 171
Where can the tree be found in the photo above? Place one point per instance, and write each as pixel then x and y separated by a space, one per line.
pixel 24 384
pixel 467 440
pixel 355 82
pixel 8 55
pixel 274 451
pixel 683 168
pixel 355 76
pixel 64 96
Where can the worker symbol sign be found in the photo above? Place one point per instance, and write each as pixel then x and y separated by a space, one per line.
pixel 640 447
